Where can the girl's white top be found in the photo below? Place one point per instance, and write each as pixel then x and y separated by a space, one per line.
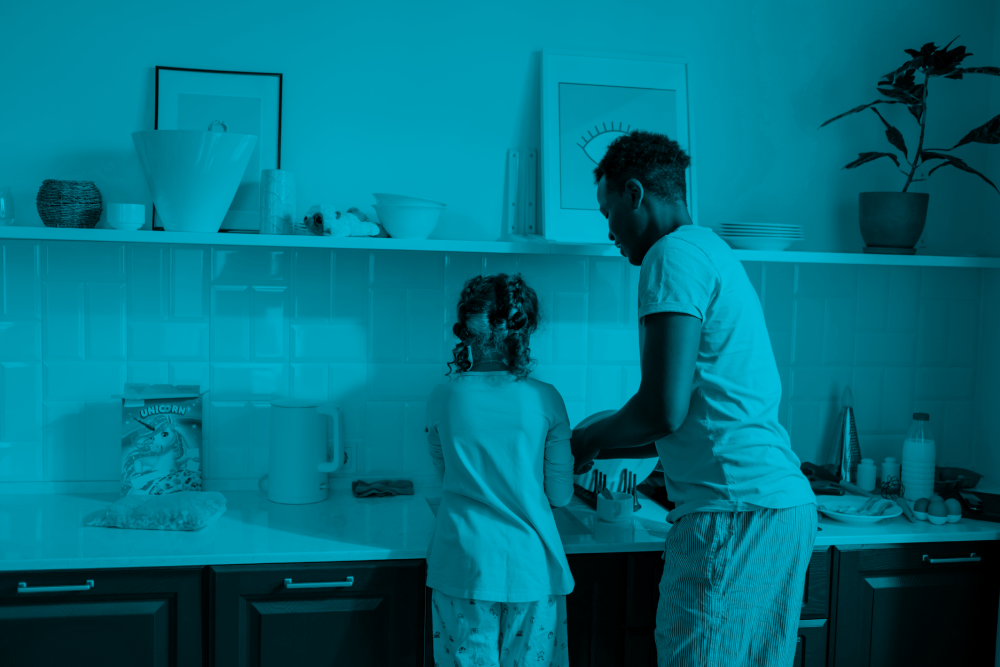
pixel 503 447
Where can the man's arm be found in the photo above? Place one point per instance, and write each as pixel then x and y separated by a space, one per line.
pixel 661 404
pixel 641 452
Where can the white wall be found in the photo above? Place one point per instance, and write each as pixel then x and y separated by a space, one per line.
pixel 425 98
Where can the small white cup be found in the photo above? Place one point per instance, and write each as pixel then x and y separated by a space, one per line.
pixel 126 216
pixel 619 509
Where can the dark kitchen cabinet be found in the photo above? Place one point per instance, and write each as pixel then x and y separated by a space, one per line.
pixel 810 644
pixel 347 613
pixel 108 618
pixel 916 604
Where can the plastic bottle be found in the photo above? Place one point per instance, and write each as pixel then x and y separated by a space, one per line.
pixel 919 457
pixel 866 475
pixel 890 468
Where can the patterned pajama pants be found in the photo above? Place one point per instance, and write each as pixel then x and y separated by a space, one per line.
pixel 732 587
pixel 480 633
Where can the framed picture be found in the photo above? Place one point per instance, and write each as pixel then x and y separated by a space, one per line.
pixel 247 102
pixel 588 101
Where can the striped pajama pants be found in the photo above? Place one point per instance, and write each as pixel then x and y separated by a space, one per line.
pixel 732 587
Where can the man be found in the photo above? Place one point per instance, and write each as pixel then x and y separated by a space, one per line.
pixel 745 515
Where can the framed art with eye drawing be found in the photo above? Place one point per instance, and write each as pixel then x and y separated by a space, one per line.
pixel 237 102
pixel 589 100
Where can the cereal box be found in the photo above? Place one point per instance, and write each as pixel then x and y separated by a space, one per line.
pixel 161 439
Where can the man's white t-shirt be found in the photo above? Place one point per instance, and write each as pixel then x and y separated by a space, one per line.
pixel 730 454
pixel 504 448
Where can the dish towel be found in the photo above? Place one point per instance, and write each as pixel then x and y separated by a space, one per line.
pixel 385 487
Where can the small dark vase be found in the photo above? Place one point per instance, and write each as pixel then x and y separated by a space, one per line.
pixel 892 222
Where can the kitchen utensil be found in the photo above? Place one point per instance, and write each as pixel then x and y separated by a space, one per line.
pixel 305 446
pixel 6 206
pixel 401 200
pixel 955 478
pixel 618 509
pixel 408 222
pixel 829 504
pixel 907 512
pixel 630 489
pixel 758 242
pixel 613 469
pixel 126 216
pixel 193 176
pixel 69 204
pixel 850 449
pixel 588 497
pixel 606 493
pixel 600 483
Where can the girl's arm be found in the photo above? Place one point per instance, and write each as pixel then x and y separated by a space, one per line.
pixel 558 465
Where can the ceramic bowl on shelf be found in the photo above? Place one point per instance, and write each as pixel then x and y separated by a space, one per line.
pixel 193 176
pixel 402 200
pixel 408 222
pixel 126 216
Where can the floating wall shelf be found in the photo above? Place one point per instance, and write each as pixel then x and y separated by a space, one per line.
pixel 435 245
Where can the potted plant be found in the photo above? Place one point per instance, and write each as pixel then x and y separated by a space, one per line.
pixel 892 222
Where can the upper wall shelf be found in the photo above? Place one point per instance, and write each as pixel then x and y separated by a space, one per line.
pixel 435 245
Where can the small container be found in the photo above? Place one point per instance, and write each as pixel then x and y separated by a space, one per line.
pixel 890 468
pixel 937 520
pixel 953 518
pixel 866 475
pixel 126 216
pixel 920 515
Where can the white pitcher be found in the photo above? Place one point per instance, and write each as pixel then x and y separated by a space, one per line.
pixel 305 446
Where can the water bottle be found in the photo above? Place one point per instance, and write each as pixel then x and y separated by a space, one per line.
pixel 919 457
pixel 866 475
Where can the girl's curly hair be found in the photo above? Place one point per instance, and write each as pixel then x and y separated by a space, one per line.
pixel 496 314
pixel 655 160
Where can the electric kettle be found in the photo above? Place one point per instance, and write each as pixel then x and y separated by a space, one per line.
pixel 305 446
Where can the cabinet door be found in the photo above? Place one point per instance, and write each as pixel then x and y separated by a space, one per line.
pixel 917 604
pixel 111 618
pixel 595 610
pixel 810 644
pixel 351 613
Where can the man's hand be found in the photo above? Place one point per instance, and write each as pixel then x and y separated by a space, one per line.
pixel 583 455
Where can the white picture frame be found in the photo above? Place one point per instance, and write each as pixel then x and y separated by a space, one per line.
pixel 248 102
pixel 577 86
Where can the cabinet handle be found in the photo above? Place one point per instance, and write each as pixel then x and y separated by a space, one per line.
pixel 973 558
pixel 22 587
pixel 322 584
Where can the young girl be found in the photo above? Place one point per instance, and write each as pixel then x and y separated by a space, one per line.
pixel 502 443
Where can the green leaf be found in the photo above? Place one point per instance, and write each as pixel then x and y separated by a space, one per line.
pixel 856 110
pixel 931 155
pixel 894 136
pixel 988 133
pixel 959 164
pixel 957 74
pixel 868 157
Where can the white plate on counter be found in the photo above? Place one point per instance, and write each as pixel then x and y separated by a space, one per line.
pixel 614 468
pixel 829 504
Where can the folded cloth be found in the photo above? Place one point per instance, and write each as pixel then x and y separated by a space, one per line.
pixel 384 487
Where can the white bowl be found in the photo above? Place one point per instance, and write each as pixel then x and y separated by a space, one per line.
pixel 193 176
pixel 759 242
pixel 402 200
pixel 408 222
pixel 126 216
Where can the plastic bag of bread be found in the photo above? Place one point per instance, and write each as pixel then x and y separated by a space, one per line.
pixel 182 510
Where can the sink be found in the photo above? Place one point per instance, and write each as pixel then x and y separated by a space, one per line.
pixel 566 523
pixel 193 176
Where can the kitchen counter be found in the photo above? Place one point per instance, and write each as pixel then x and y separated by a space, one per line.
pixel 47 532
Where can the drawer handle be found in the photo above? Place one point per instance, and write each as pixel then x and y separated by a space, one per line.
pixel 22 587
pixel 973 558
pixel 322 584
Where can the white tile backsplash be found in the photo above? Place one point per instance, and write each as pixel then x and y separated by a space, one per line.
pixel 371 331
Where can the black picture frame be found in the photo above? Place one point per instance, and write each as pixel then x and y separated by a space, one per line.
pixel 156 119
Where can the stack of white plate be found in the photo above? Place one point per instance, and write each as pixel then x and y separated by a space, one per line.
pixel 760 235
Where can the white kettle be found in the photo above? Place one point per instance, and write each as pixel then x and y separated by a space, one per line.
pixel 305 446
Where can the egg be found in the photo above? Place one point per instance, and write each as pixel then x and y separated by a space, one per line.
pixel 936 497
pixel 937 508
pixel 953 506
pixel 920 505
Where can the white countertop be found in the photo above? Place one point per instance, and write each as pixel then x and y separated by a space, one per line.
pixel 47 532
